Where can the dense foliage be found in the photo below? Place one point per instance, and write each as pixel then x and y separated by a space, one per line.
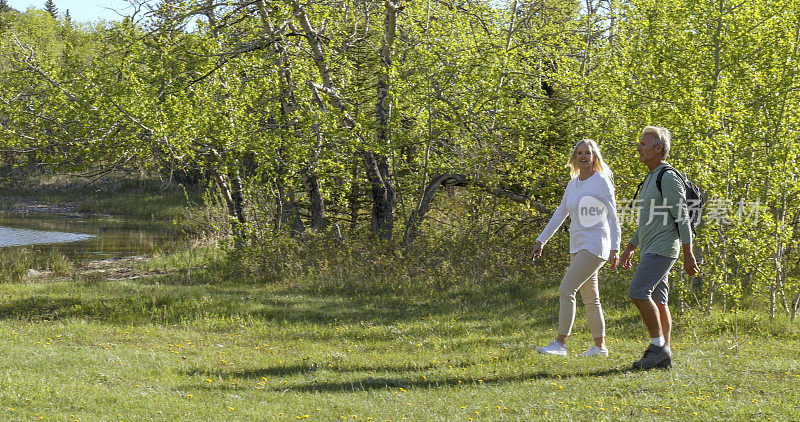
pixel 336 115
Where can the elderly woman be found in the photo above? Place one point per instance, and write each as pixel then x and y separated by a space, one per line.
pixel 594 237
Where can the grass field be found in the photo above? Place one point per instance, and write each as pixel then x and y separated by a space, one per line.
pixel 447 331
pixel 165 347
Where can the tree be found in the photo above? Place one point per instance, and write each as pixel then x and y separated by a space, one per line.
pixel 362 97
pixel 61 108
pixel 721 77
pixel 50 7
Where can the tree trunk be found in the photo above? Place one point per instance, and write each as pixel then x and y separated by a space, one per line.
pixel 298 229
pixel 289 107
pixel 384 197
pixel 777 285
pixel 290 215
pixel 232 195
pixel 278 206
pixel 317 203
pixel 353 197
pixel 772 303
pixel 711 286
pixel 681 302
pixel 237 195
pixel 413 221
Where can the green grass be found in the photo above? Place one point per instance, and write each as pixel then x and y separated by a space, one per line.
pixel 178 347
pixel 16 262
pixel 445 330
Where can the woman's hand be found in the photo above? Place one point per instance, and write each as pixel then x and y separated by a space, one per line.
pixel 613 259
pixel 537 250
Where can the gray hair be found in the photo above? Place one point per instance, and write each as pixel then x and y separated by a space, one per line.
pixel 661 136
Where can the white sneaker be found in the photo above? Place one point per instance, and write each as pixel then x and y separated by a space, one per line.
pixel 595 351
pixel 554 348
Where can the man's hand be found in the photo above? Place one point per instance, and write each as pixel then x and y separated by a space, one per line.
pixel 613 259
pixel 537 250
pixel 625 258
pixel 689 261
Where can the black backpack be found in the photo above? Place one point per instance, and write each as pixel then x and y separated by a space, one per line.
pixel 694 196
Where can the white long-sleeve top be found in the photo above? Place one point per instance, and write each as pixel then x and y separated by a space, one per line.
pixel 592 209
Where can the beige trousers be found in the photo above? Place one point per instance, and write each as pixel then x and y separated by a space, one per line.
pixel 581 276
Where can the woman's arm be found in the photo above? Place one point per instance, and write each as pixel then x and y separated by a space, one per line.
pixel 610 201
pixel 556 220
pixel 615 232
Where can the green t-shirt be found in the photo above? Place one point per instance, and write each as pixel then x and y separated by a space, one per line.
pixel 663 219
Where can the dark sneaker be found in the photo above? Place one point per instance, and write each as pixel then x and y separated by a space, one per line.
pixel 654 357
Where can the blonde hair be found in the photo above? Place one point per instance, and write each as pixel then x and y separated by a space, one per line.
pixel 597 164
pixel 661 136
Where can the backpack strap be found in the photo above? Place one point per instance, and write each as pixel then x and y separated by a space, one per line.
pixel 661 175
pixel 683 180
pixel 638 188
pixel 658 180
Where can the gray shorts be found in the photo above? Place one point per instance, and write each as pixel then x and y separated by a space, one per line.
pixel 650 281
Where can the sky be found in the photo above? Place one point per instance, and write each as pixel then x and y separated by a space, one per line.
pixel 80 10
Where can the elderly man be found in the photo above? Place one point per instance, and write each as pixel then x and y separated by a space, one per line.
pixel 663 230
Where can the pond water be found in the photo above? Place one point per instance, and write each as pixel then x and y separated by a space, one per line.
pixel 24 237
pixel 87 238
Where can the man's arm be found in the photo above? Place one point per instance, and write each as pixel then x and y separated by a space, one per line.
pixel 689 261
pixel 674 193
pixel 625 258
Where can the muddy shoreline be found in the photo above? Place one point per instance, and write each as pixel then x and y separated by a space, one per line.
pixel 23 206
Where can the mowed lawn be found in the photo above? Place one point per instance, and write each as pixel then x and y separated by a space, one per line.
pixel 160 349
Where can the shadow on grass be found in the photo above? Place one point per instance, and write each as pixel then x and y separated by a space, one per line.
pixel 38 308
pixel 276 371
pixel 371 383
pixel 400 376
pixel 383 383
pixel 310 368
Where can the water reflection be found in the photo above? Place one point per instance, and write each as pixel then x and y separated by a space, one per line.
pixel 90 238
pixel 23 237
